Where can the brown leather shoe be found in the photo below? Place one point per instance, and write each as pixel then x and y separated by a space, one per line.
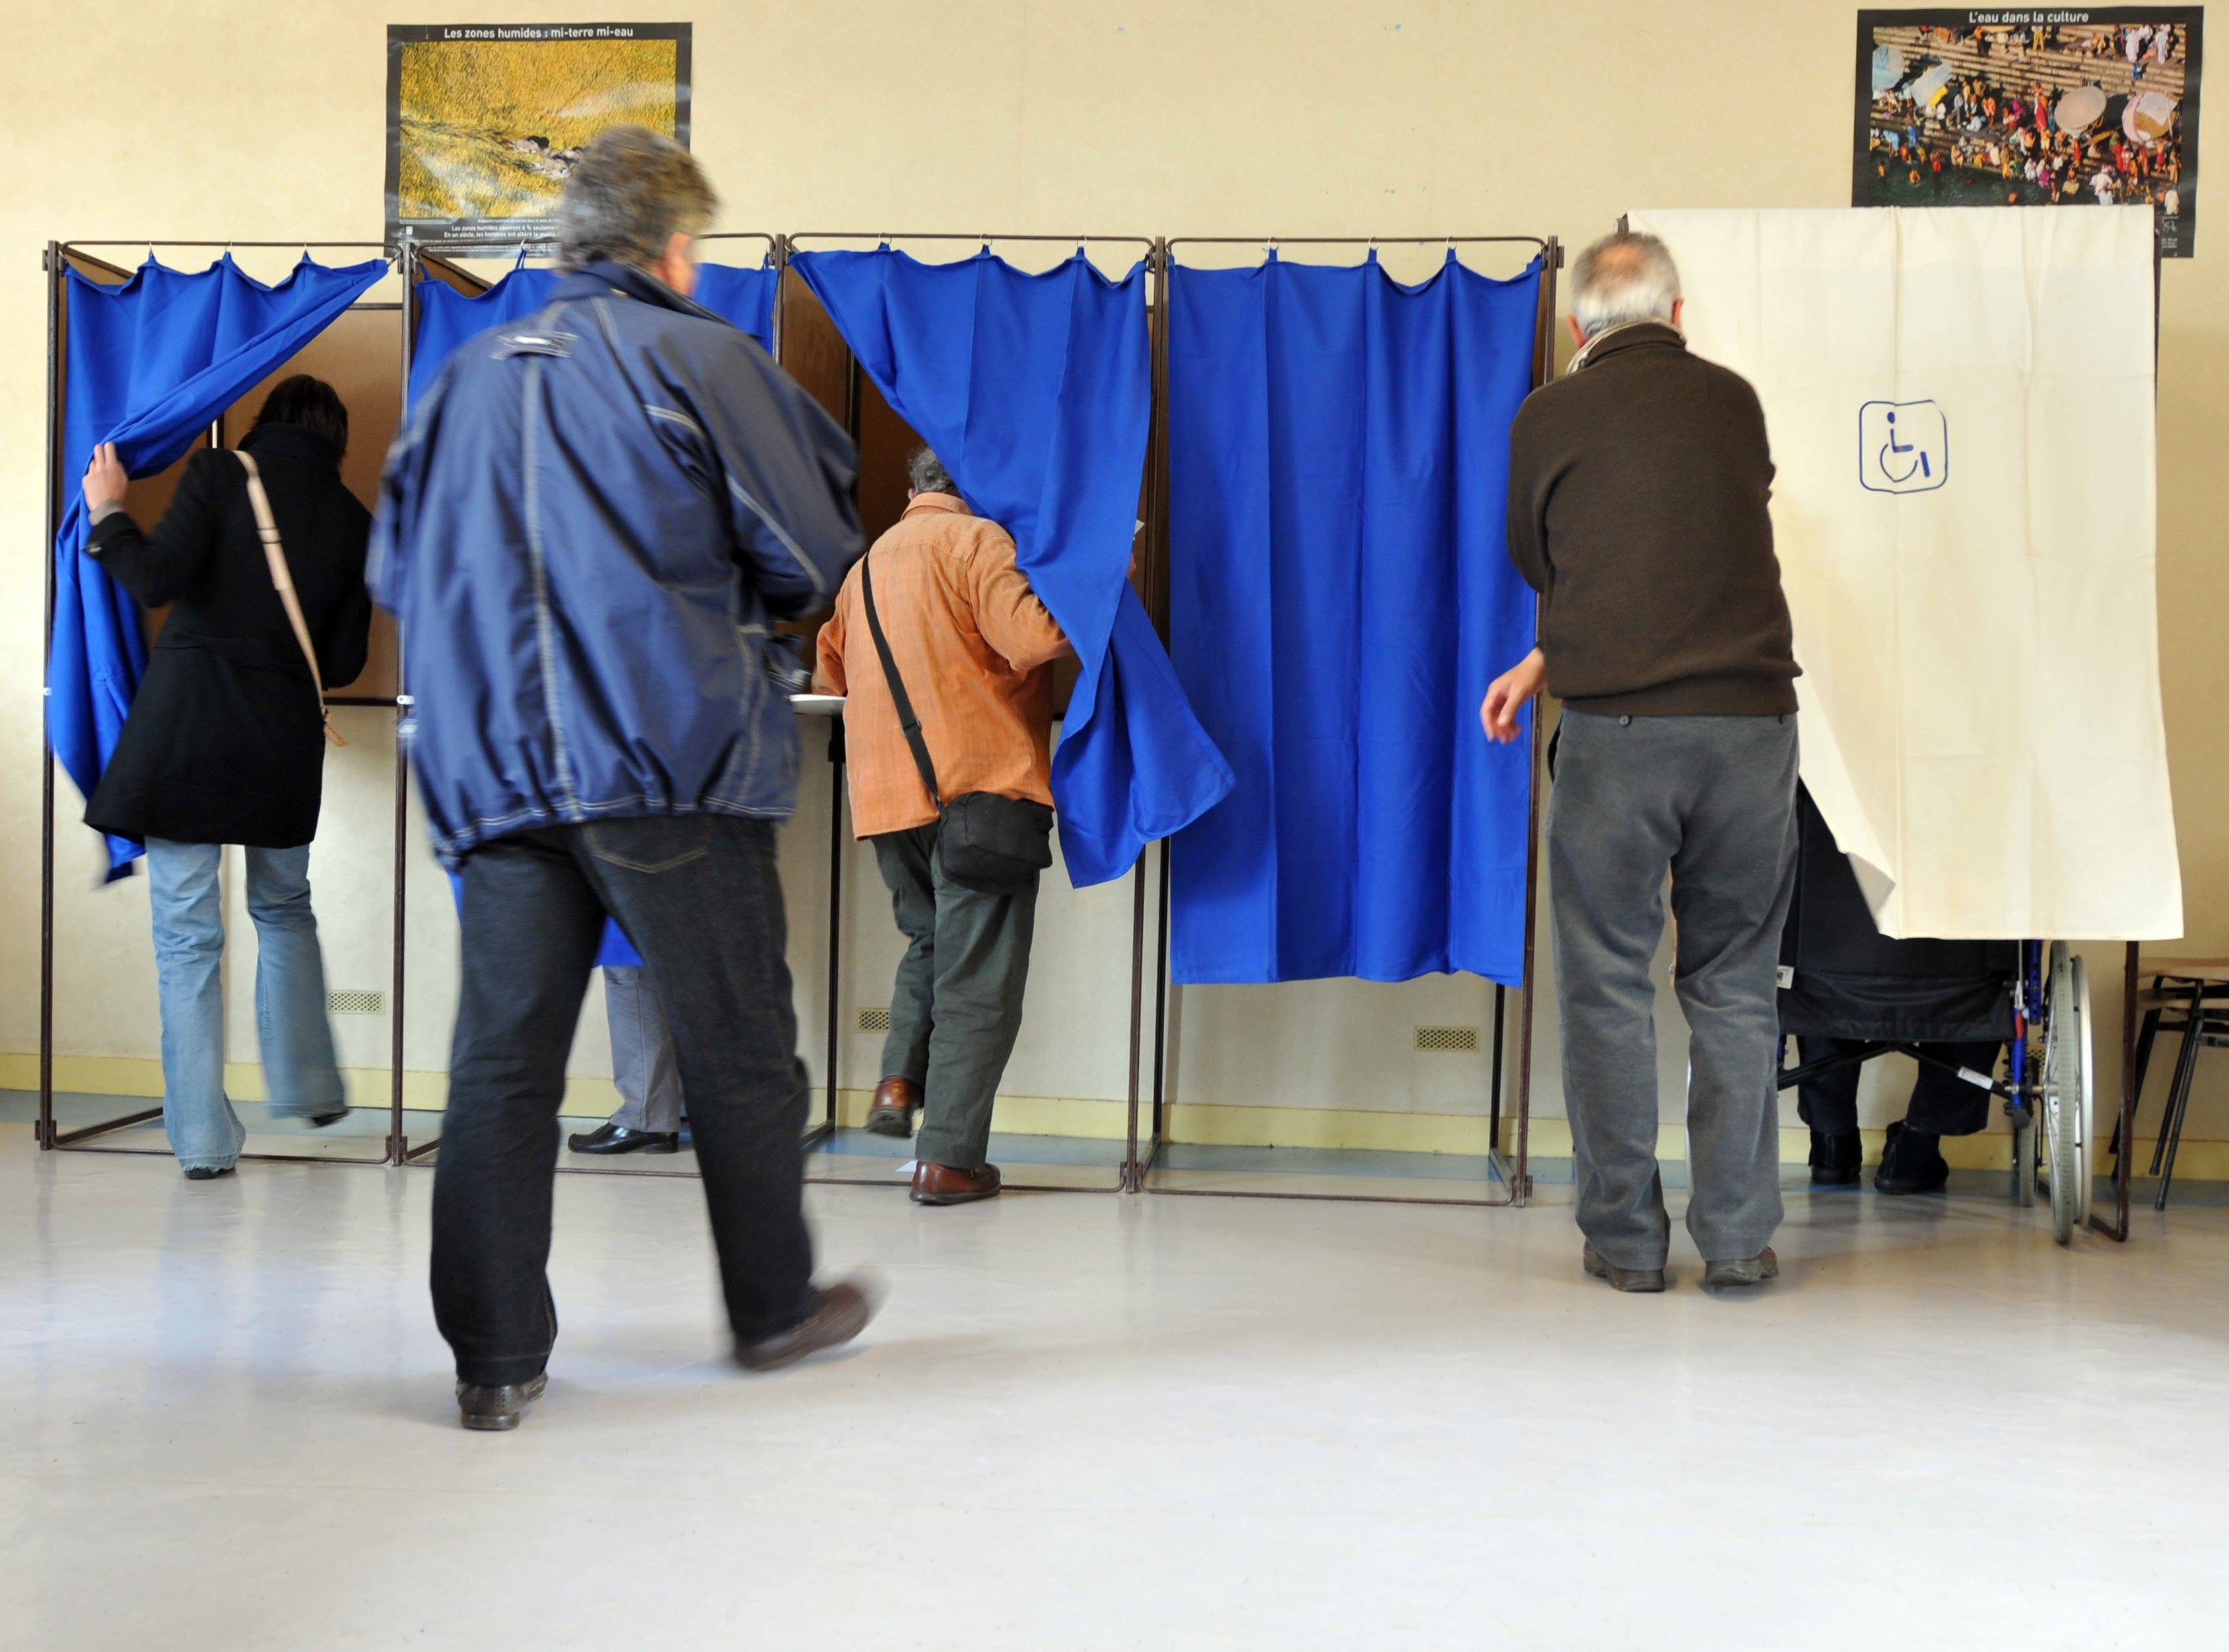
pixel 896 1100
pixel 839 1314
pixel 949 1185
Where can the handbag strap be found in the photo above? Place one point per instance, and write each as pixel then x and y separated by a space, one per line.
pixel 903 701
pixel 282 578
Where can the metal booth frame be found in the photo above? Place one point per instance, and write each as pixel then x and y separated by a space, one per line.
pixel 58 257
pixel 1146 1110
pixel 1513 1171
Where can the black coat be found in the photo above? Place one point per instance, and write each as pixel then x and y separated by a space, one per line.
pixel 224 743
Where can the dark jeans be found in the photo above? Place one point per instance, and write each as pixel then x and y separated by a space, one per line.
pixel 956 1005
pixel 699 897
pixel 1940 1104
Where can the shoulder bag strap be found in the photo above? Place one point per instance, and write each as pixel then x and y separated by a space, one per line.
pixel 903 701
pixel 282 578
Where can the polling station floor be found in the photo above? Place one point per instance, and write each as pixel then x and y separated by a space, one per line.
pixel 1101 1422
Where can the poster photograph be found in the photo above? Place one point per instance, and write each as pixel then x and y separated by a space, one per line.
pixel 484 121
pixel 2057 107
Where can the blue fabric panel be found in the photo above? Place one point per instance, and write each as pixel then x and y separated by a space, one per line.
pixel 1341 596
pixel 152 362
pixel 1036 391
pixel 447 317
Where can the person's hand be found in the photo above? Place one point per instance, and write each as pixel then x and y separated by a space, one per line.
pixel 104 481
pixel 1506 697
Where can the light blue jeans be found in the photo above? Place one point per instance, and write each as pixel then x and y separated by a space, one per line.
pixel 297 1040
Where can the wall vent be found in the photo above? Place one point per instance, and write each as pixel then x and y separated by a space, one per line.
pixel 356 1003
pixel 876 1019
pixel 1446 1039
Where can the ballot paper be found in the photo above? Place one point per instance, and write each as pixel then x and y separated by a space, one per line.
pixel 1960 403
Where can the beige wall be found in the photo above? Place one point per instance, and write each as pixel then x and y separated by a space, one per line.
pixel 254 119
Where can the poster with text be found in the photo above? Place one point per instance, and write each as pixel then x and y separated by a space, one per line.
pixel 486 121
pixel 2059 106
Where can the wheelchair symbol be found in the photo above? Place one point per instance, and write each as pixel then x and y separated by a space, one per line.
pixel 1903 446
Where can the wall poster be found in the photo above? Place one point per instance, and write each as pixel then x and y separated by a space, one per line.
pixel 484 121
pixel 2053 107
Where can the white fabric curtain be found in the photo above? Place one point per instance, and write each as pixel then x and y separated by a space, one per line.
pixel 1961 407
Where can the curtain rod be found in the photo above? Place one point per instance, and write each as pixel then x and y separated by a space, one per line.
pixel 1357 241
pixel 153 242
pixel 985 240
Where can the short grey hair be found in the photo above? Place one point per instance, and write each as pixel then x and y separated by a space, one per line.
pixel 1623 278
pixel 926 473
pixel 633 191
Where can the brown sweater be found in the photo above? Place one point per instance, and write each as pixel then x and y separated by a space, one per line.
pixel 1637 508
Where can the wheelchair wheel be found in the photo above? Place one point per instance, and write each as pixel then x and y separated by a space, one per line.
pixel 2068 1085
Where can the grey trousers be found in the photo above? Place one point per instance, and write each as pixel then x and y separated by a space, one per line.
pixel 1710 802
pixel 956 1005
pixel 642 1054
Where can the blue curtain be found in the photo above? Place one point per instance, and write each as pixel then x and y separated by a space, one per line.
pixel 1036 390
pixel 447 317
pixel 1342 596
pixel 152 362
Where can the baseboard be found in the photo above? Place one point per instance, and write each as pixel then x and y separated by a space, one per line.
pixel 1348 1129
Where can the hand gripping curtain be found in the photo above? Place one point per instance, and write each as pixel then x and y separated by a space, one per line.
pixel 152 362
pixel 447 317
pixel 740 294
pixel 1036 391
pixel 1342 596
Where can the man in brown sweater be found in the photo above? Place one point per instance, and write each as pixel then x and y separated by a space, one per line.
pixel 974 645
pixel 1638 492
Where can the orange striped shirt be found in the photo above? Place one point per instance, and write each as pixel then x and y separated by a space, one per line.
pixel 973 643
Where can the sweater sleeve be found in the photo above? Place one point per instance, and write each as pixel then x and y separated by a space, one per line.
pixel 159 567
pixel 1007 612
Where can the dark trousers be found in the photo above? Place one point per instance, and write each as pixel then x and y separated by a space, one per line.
pixel 956 1005
pixel 1940 1104
pixel 699 897
pixel 1708 803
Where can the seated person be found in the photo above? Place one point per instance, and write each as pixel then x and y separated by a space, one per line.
pixel 1844 986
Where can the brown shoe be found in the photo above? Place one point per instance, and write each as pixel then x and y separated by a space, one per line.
pixel 896 1100
pixel 949 1185
pixel 1743 1270
pixel 839 1314
pixel 1645 1281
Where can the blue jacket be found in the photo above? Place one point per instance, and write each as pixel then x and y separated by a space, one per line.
pixel 586 529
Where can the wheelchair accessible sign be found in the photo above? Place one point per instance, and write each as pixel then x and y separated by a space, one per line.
pixel 1903 447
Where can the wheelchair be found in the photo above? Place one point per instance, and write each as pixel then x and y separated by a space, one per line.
pixel 1842 978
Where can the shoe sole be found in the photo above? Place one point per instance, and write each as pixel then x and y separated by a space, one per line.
pixel 1738 1278
pixel 1649 1284
pixel 504 1421
pixel 888 1122
pixel 840 1331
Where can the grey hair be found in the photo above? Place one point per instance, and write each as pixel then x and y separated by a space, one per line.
pixel 1623 277
pixel 633 191
pixel 926 474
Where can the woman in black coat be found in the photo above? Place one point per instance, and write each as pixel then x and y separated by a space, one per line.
pixel 225 744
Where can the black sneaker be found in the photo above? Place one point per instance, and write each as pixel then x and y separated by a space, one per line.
pixel 1835 1159
pixel 207 1173
pixel 496 1407
pixel 1911 1162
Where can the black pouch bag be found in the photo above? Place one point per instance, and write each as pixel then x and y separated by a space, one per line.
pixel 993 845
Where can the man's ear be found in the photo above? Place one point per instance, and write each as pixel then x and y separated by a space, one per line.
pixel 912 493
pixel 1679 308
pixel 1578 339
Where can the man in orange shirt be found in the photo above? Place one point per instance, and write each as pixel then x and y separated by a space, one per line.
pixel 973 645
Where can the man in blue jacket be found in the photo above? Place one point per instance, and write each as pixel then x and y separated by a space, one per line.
pixel 587 530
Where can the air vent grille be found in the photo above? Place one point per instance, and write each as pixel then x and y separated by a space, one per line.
pixel 356 1003
pixel 1448 1039
pixel 876 1019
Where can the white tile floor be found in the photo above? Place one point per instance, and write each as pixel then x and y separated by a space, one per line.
pixel 1090 1422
